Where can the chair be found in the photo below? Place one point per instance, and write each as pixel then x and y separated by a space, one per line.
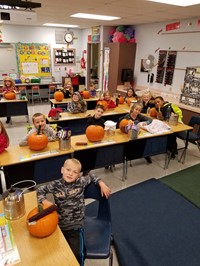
pixel 23 91
pixel 193 136
pixel 52 89
pixel 97 228
pixel 35 93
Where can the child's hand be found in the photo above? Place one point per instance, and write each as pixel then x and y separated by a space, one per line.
pixel 105 190
pixel 160 116
pixel 47 202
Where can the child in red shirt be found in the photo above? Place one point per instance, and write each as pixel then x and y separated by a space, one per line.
pixel 4 139
pixel 107 97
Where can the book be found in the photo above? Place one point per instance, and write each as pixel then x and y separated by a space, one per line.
pixel 9 254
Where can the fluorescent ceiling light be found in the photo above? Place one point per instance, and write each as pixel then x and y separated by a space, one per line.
pixel 177 3
pixel 60 25
pixel 93 16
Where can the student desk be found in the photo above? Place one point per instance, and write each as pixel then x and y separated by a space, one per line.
pixel 14 108
pixel 51 250
pixel 91 103
pixel 77 122
pixel 20 163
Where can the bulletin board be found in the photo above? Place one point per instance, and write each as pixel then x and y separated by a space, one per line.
pixel 33 59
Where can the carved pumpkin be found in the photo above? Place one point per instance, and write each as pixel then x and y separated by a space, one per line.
pixel 121 100
pixel 129 100
pixel 37 141
pixel 9 95
pixel 58 96
pixel 104 103
pixel 45 223
pixel 123 124
pixel 86 94
pixel 95 133
pixel 153 112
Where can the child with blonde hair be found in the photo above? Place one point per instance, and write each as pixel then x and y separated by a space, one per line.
pixel 147 101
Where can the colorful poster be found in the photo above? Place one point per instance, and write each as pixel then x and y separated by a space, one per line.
pixel 33 59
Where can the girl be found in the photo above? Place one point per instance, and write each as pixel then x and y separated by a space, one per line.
pixel 4 139
pixel 107 97
pixel 77 104
pixel 147 101
pixel 130 94
pixel 8 85
pixel 68 90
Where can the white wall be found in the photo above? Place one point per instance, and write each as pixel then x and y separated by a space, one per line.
pixel 149 40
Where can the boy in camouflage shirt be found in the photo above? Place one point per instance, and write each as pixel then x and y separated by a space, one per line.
pixel 68 193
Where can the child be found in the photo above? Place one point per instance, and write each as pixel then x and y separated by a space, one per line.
pixel 68 194
pixel 77 104
pixel 130 94
pixel 107 97
pixel 68 90
pixel 135 116
pixel 92 90
pixel 97 118
pixel 147 101
pixel 8 86
pixel 164 109
pixel 39 119
pixel 4 139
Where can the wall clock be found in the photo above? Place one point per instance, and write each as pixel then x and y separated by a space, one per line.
pixel 69 36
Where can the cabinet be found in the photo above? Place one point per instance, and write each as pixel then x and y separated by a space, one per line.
pixel 122 56
pixel 64 56
pixel 78 82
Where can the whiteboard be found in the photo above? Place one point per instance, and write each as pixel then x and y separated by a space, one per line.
pixel 8 61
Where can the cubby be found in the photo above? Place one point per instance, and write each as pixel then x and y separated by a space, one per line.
pixel 64 56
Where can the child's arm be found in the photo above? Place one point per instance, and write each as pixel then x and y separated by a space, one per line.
pixel 105 190
pixel 24 140
pixel 51 133
pixel 178 112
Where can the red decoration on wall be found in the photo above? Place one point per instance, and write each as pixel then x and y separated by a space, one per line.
pixel 172 26
pixel 198 22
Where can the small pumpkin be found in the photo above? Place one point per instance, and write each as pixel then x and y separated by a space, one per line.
pixel 37 141
pixel 121 100
pixel 104 103
pixel 153 112
pixel 58 96
pixel 10 95
pixel 86 94
pixel 123 124
pixel 95 133
pixel 45 223
pixel 129 100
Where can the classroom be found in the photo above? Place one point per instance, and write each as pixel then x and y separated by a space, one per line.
pixel 149 47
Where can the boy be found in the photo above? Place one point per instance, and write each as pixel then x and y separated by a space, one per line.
pixel 68 193
pixel 39 119
pixel 97 117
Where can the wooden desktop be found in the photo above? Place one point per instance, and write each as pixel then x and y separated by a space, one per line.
pixel 51 250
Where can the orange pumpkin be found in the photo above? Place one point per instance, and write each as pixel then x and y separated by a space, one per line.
pixel 45 225
pixel 86 94
pixel 9 95
pixel 123 124
pixel 104 103
pixel 37 141
pixel 95 133
pixel 58 96
pixel 153 112
pixel 129 100
pixel 121 100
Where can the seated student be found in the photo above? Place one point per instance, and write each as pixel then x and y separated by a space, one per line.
pixel 164 110
pixel 93 92
pixel 147 101
pixel 136 117
pixel 68 90
pixel 68 195
pixel 97 117
pixel 107 97
pixel 130 94
pixel 39 120
pixel 77 104
pixel 4 139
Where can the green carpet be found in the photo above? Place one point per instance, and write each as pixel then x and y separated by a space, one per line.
pixel 186 183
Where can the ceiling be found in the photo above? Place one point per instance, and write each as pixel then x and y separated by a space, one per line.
pixel 132 12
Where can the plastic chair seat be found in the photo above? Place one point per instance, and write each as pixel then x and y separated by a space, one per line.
pixel 52 89
pixel 35 93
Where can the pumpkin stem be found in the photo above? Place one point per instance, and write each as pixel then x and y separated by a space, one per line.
pixel 40 207
pixel 38 131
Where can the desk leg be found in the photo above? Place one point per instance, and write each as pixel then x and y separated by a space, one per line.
pixel 125 166
pixel 167 159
